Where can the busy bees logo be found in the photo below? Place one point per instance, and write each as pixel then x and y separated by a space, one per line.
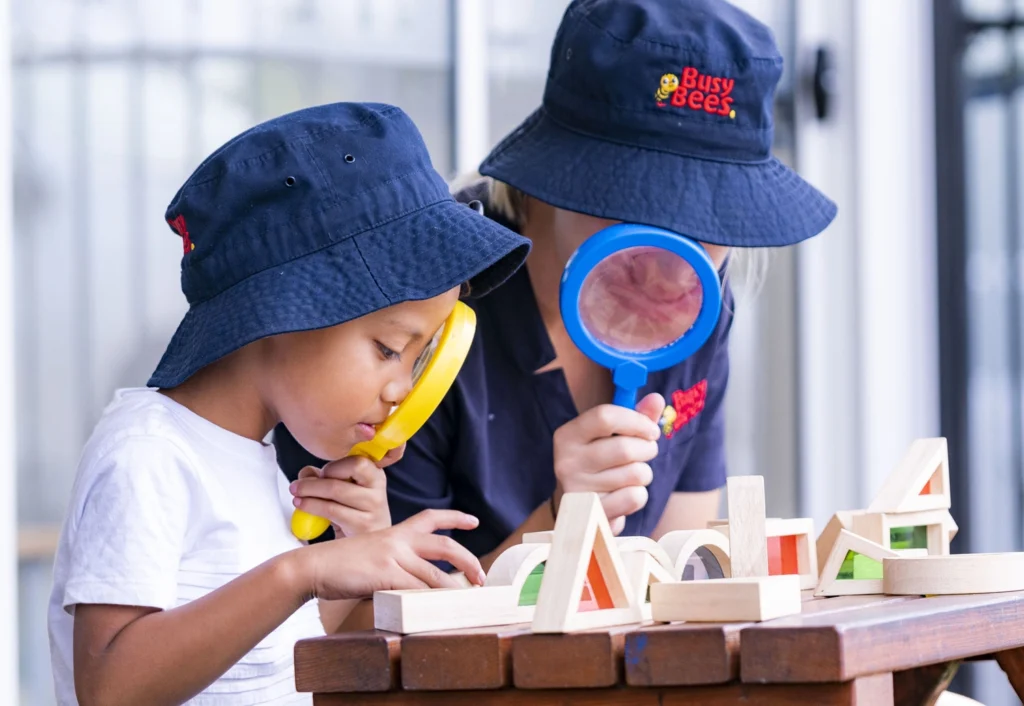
pixel 697 91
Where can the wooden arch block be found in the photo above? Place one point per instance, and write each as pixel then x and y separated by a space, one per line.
pixel 680 545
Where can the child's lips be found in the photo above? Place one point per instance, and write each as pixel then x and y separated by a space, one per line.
pixel 367 431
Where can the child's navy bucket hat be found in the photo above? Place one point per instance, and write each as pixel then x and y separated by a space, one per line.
pixel 660 112
pixel 316 218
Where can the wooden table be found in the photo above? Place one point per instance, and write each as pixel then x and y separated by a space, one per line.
pixel 875 650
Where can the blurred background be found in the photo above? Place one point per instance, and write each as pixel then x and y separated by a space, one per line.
pixel 905 319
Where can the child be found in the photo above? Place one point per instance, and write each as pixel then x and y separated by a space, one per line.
pixel 322 252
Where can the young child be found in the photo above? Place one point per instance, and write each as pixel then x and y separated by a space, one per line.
pixel 321 253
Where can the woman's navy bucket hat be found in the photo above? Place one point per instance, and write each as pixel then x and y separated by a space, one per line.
pixel 316 218
pixel 660 112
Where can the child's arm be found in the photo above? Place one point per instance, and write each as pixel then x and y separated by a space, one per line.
pixel 128 654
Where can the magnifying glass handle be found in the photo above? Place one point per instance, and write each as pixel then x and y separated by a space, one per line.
pixel 624 397
pixel 628 377
pixel 308 527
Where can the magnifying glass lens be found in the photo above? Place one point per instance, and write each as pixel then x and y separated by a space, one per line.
pixel 640 299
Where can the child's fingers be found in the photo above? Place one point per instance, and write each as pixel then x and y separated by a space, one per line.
pixel 392 456
pixel 350 520
pixel 358 470
pixel 443 548
pixel 615 451
pixel 430 521
pixel 429 574
pixel 342 492
pixel 309 472
pixel 438 547
pixel 617 525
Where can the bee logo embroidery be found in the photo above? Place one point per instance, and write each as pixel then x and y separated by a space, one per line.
pixel 669 84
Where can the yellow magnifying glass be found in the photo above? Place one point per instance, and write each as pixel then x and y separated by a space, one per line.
pixel 432 383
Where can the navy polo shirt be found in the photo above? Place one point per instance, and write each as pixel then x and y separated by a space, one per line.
pixel 488 451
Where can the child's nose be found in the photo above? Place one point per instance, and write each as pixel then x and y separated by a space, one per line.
pixel 398 389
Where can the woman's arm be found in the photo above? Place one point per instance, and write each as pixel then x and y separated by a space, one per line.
pixel 688 511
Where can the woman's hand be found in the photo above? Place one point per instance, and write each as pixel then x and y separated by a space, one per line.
pixel 606 450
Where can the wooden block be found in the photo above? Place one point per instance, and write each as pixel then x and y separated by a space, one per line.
pixel 645 544
pixel 919 482
pixel 844 559
pixel 583 556
pixel 498 602
pixel 680 545
pixel 952 575
pixel 748 548
pixel 842 520
pixel 933 529
pixel 789 545
pixel 749 599
pixel 426 610
pixel 625 545
pixel 644 570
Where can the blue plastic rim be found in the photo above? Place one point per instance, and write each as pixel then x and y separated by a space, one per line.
pixel 630 369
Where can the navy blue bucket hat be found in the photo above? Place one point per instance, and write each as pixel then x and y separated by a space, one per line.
pixel 660 112
pixel 316 218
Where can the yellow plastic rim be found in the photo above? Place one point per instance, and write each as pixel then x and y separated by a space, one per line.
pixel 425 396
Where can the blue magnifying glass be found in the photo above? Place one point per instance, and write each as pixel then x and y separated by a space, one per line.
pixel 637 299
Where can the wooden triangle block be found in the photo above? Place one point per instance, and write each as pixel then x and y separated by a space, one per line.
pixel 585 584
pixel 860 560
pixel 920 482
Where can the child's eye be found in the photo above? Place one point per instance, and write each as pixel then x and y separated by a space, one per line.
pixel 387 352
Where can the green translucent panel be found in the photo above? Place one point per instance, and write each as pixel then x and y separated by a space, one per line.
pixel 528 596
pixel 909 537
pixel 857 566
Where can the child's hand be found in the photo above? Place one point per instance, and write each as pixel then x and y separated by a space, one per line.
pixel 606 450
pixel 396 558
pixel 350 492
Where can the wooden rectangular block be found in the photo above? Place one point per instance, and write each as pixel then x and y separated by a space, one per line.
pixel 748 546
pixel 789 545
pixel 427 610
pixel 751 599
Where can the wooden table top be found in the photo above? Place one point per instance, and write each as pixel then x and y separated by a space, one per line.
pixel 844 645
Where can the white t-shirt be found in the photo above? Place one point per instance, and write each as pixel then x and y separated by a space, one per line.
pixel 166 507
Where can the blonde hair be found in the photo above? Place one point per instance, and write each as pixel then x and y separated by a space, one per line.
pixel 749 266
